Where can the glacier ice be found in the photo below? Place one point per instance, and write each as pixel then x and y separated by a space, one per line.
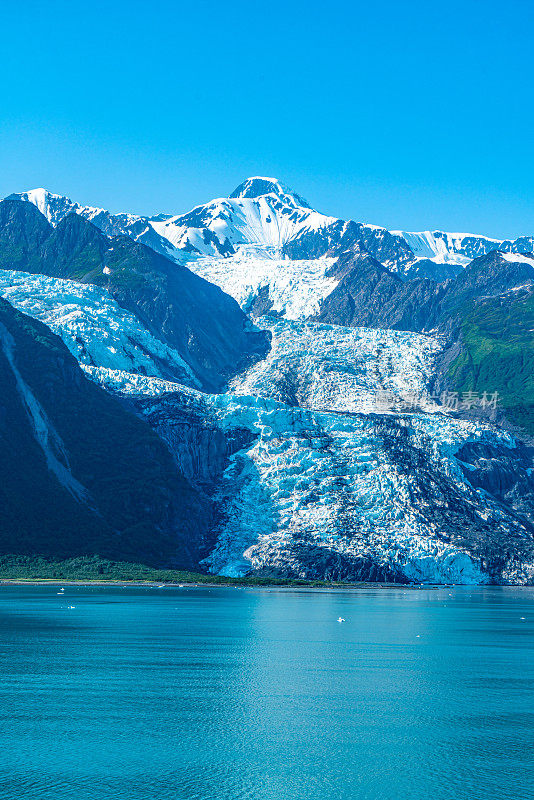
pixel 329 367
pixel 327 482
pixel 295 288
pixel 96 330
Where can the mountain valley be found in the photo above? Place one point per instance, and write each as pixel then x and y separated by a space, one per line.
pixel 318 398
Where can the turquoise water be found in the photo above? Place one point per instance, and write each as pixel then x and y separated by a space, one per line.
pixel 223 694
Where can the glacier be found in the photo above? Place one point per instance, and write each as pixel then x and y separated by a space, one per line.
pixel 339 495
pixel 331 482
pixel 96 330
pixel 294 288
pixel 329 458
pixel 332 368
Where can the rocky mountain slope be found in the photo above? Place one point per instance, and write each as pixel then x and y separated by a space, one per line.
pixel 79 472
pixel 267 216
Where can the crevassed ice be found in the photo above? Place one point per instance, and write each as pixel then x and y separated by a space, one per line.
pixel 332 481
pixel 321 474
pixel 96 330
pixel 329 367
pixel 296 288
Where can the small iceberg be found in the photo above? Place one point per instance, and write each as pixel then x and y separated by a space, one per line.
pixel 340 619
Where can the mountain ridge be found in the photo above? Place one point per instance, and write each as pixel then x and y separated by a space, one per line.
pixel 265 213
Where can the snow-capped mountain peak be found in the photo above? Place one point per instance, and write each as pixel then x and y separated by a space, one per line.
pixel 263 218
pixel 258 186
pixel 261 213
pixel 53 206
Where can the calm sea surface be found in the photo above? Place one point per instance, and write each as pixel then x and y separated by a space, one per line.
pixel 223 694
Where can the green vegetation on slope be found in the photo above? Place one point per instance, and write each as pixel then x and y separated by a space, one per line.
pixel 497 336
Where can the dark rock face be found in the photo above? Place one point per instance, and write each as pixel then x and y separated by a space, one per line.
pixel 200 448
pixel 507 474
pixel 80 474
pixel 317 243
pixel 201 322
pixel 487 276
pixel 21 232
pixel 389 249
pixel 435 272
pixel 261 304
pixel 371 296
pixel 321 563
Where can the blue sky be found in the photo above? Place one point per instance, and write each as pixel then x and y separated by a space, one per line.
pixel 411 115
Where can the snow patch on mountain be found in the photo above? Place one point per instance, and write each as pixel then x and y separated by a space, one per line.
pixel 53 206
pixel 518 258
pixel 440 248
pixel 459 248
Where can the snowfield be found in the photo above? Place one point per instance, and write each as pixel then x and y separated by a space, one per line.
pixel 295 288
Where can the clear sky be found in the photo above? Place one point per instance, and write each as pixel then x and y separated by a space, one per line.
pixel 407 114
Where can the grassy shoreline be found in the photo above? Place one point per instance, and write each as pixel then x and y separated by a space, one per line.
pixel 99 571
pixel 96 571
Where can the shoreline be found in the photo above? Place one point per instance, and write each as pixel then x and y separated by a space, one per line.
pixel 201 585
pixel 151 584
